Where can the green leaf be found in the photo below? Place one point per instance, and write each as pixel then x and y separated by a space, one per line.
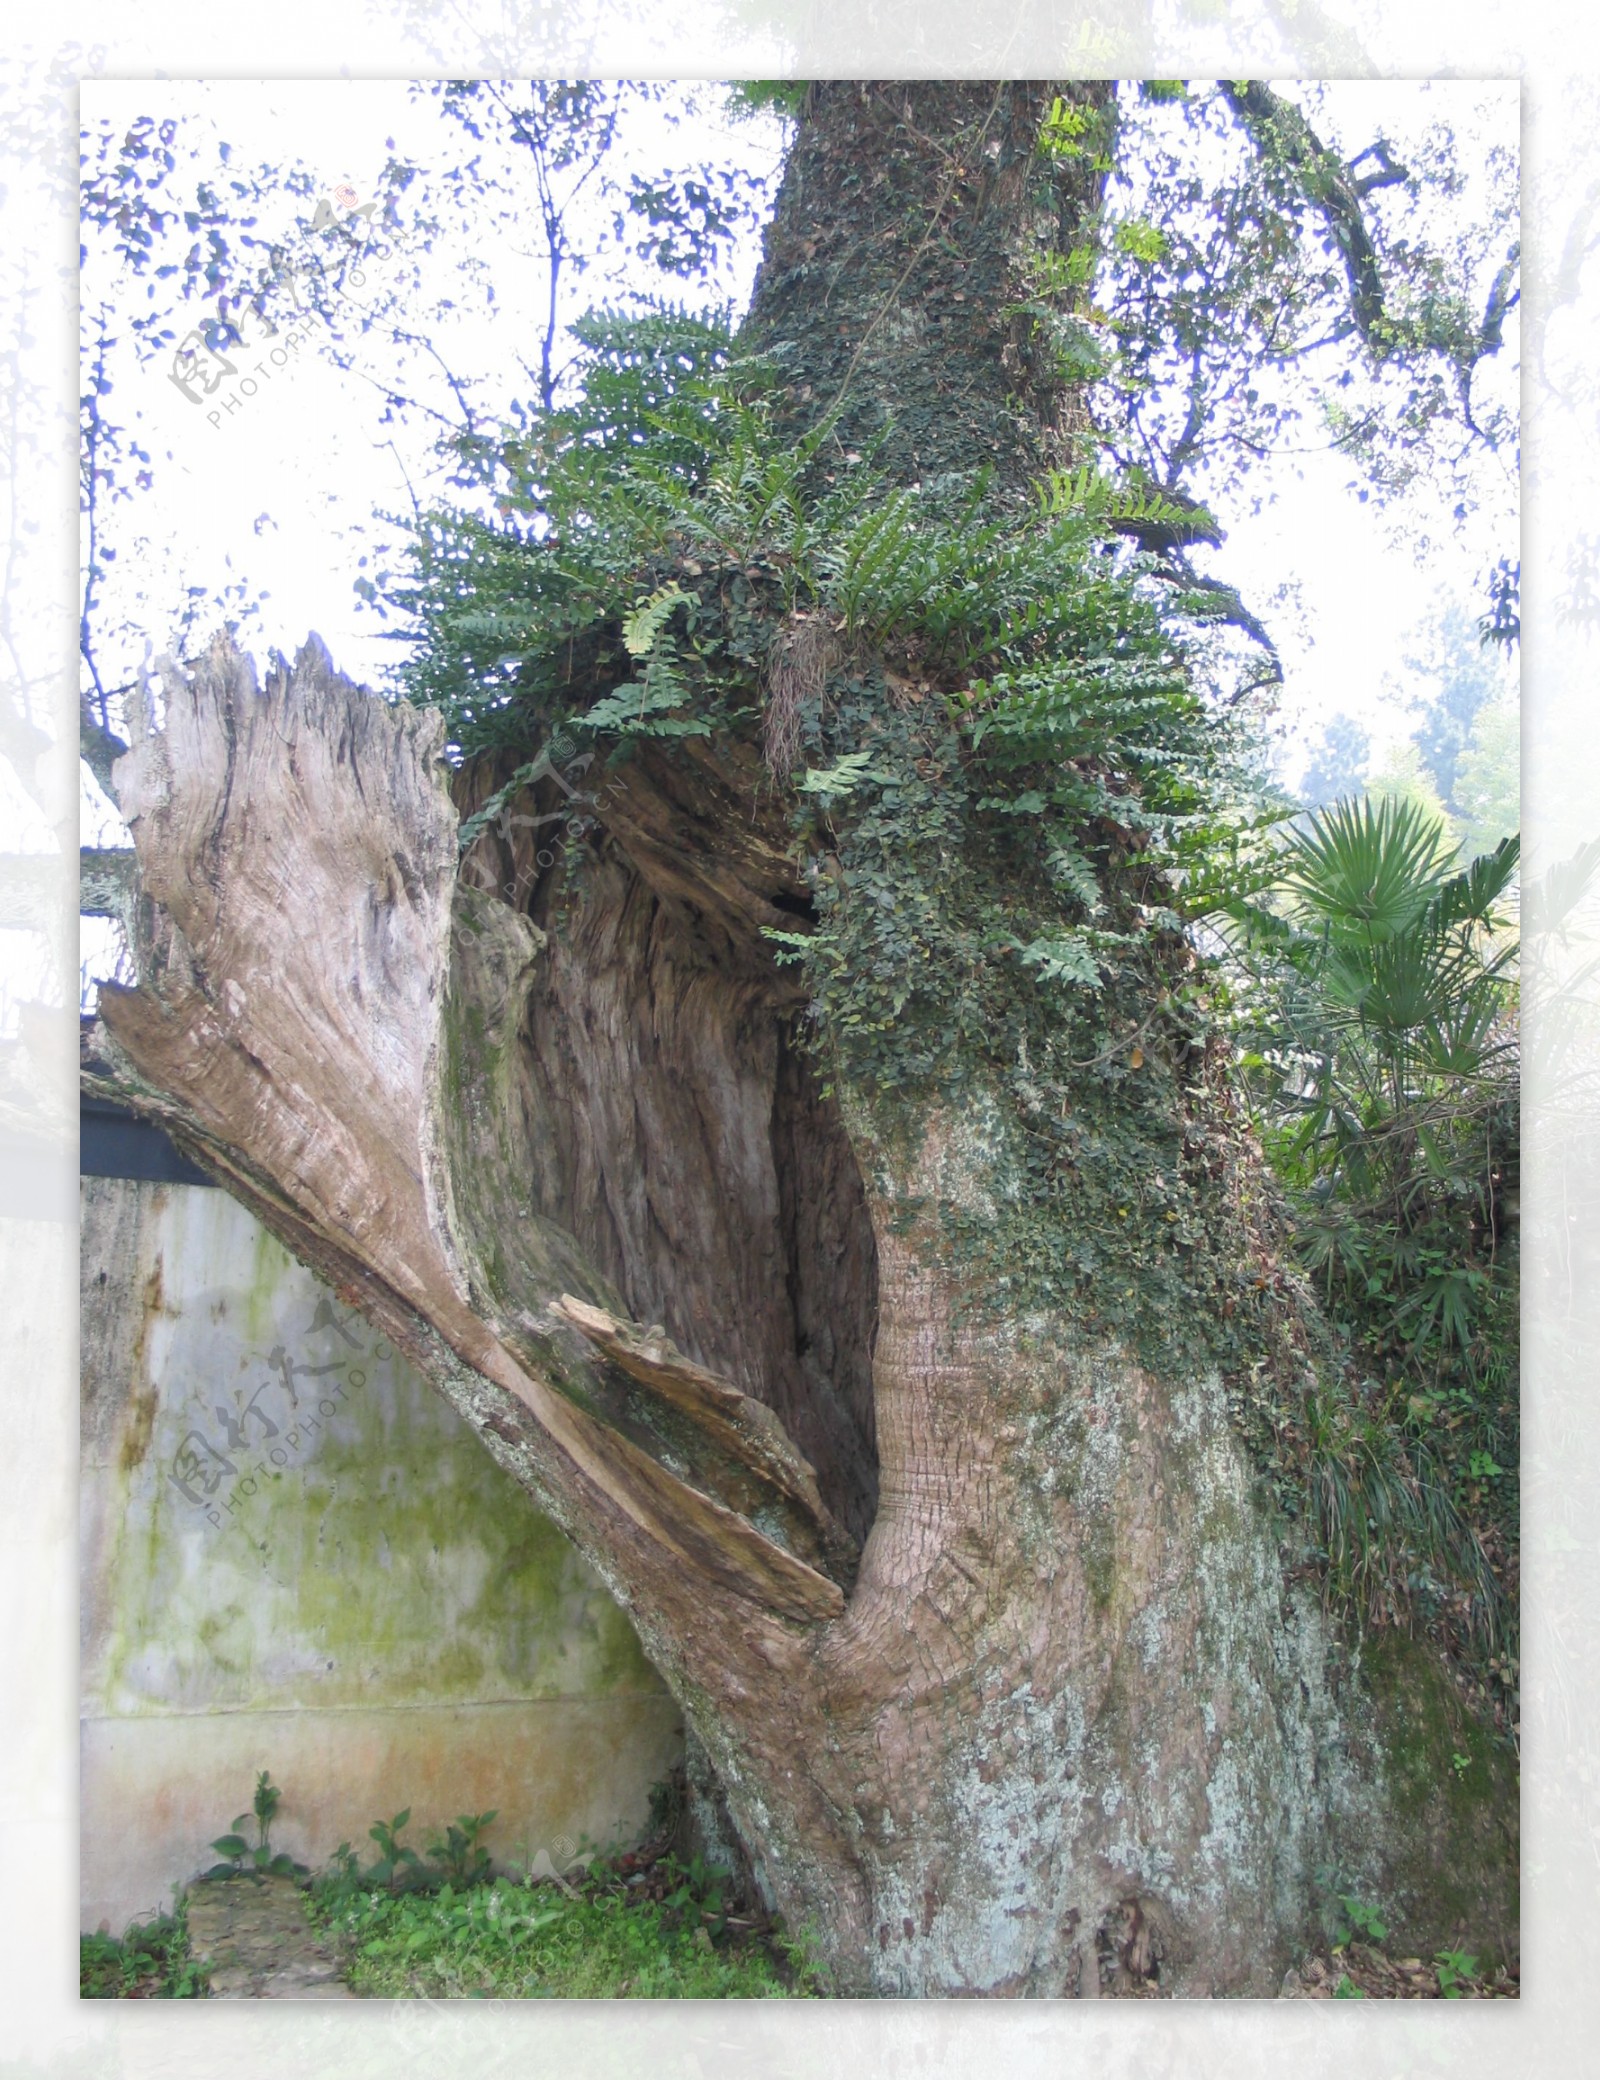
pixel 853 770
pixel 1366 871
pixel 645 623
pixel 1470 897
pixel 1063 958
pixel 1140 240
pixel 1074 876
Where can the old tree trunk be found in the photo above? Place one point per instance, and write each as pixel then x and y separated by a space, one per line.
pixel 971 1591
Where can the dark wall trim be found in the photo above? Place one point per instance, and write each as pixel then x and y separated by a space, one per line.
pixel 113 1142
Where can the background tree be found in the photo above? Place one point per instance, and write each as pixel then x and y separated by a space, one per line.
pixel 195 250
pixel 1338 763
pixel 1402 777
pixel 816 1175
pixel 1463 674
pixel 1488 780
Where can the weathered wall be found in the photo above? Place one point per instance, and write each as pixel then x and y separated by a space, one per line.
pixel 297 1558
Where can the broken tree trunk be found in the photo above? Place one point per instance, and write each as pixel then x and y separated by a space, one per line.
pixel 1064 1685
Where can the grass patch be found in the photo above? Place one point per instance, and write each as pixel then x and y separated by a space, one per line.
pixel 514 1941
pixel 150 1961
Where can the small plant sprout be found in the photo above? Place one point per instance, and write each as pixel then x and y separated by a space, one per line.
pixel 258 1857
pixel 392 1858
pixel 1456 1969
pixel 700 1889
pixel 1359 1920
pixel 458 1851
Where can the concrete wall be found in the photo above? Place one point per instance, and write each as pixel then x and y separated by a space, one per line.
pixel 297 1558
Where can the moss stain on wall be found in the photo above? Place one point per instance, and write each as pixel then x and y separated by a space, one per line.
pixel 390 1561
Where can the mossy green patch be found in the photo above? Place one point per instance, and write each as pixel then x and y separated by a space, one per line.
pixel 365 1549
pixel 1455 1791
pixel 442 1575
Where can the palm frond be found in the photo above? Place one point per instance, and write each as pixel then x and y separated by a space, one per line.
pixel 1470 896
pixel 1367 871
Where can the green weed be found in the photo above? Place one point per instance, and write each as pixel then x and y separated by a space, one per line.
pixel 257 1856
pixel 1359 1919
pixel 510 1941
pixel 459 1852
pixel 1456 1969
pixel 150 1961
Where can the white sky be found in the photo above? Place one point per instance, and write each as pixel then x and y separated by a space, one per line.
pixel 283 495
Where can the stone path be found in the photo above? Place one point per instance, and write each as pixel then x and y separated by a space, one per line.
pixel 257 1944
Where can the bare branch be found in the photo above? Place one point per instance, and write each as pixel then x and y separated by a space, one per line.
pixel 1388 174
pixel 1233 613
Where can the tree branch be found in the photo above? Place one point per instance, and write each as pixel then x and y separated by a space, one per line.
pixel 1272 123
pixel 1233 613
pixel 98 747
pixel 1388 175
pixel 1337 193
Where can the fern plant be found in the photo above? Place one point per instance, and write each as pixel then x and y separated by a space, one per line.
pixel 667 471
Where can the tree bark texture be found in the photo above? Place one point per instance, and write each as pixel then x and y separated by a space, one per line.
pixel 982 1621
